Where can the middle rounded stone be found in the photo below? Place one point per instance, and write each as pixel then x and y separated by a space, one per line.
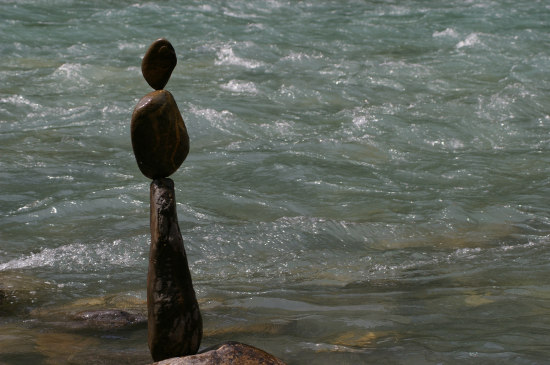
pixel 159 136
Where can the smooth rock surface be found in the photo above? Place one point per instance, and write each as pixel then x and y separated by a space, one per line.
pixel 159 136
pixel 227 353
pixel 158 63
pixel 174 319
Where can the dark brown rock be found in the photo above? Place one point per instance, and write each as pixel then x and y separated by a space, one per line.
pixel 174 319
pixel 227 353
pixel 159 136
pixel 158 63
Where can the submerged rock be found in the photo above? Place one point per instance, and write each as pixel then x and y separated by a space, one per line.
pixel 227 353
pixel 15 339
pixel 159 136
pixel 100 313
pixel 109 318
pixel 20 292
pixel 63 348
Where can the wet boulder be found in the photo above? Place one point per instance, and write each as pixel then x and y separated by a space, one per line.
pixel 109 318
pixel 227 353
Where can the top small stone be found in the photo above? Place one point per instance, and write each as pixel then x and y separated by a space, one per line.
pixel 158 63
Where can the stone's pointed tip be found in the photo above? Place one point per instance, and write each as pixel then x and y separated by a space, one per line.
pixel 158 63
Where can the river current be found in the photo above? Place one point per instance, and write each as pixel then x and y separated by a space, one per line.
pixel 368 181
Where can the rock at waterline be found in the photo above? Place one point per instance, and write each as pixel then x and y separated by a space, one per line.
pixel 107 313
pixel 158 63
pixel 174 320
pixel 159 136
pixel 109 318
pixel 227 353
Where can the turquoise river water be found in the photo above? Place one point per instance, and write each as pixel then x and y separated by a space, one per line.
pixel 368 181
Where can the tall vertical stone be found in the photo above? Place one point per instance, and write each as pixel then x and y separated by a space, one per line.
pixel 175 322
pixel 161 144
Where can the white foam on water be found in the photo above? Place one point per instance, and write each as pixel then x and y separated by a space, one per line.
pixel 448 32
pixel 279 129
pixel 125 46
pixel 211 119
pixel 301 56
pixel 34 205
pixel 146 6
pixel 206 7
pixel 211 114
pixel 361 119
pixel 73 76
pixel 20 100
pixel 238 86
pixel 240 15
pixel 77 257
pixel 471 40
pixel 226 56
pixel 451 144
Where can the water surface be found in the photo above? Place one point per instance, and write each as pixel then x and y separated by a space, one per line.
pixel 367 181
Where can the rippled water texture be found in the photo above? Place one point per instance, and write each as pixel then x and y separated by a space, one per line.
pixel 368 181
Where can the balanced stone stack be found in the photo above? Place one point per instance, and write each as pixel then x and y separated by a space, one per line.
pixel 159 136
pixel 161 144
